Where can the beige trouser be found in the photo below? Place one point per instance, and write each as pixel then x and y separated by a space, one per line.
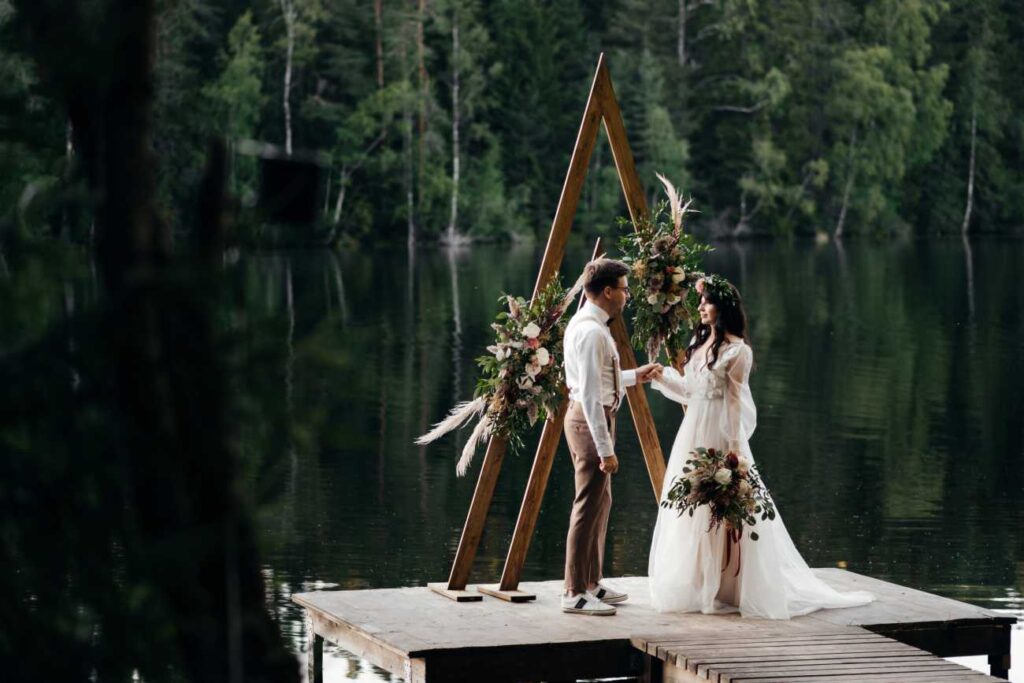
pixel 588 523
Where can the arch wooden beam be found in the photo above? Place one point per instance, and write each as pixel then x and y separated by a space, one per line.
pixel 601 107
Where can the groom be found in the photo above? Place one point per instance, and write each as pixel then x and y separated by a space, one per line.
pixel 595 382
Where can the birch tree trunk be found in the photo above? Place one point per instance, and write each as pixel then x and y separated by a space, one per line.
pixel 969 267
pixel 288 10
pixel 339 284
pixel 378 19
pixel 681 34
pixel 69 158
pixel 453 227
pixel 850 178
pixel 453 270
pixel 422 71
pixel 340 203
pixel 327 190
pixel 970 171
pixel 410 199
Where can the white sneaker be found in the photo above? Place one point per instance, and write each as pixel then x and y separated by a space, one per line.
pixel 609 596
pixel 586 603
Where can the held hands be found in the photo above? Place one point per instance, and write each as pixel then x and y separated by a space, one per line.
pixel 646 373
pixel 609 465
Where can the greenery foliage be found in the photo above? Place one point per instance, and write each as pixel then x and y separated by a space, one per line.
pixel 781 117
pixel 523 377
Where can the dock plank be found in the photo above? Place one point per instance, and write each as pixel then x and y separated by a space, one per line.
pixel 777 652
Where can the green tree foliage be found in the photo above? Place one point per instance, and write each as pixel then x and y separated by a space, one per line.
pixel 888 111
pixel 32 149
pixel 186 49
pixel 236 99
pixel 778 117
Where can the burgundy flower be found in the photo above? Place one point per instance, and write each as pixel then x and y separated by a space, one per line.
pixel 732 461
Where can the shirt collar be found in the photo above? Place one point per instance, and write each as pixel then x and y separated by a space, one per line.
pixel 596 312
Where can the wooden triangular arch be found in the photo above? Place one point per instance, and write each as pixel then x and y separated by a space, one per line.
pixel 601 106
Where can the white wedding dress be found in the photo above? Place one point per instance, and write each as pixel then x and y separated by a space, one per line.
pixel 767 578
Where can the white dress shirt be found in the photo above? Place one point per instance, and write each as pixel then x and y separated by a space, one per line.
pixel 591 360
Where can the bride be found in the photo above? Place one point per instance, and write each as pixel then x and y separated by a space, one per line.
pixel 692 569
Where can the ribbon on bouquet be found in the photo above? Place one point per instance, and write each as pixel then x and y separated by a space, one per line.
pixel 733 536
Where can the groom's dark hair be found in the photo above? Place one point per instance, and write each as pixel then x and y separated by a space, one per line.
pixel 603 272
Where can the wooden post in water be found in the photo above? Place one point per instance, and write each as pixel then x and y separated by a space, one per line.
pixel 601 106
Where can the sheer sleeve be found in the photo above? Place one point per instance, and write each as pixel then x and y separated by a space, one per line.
pixel 672 386
pixel 740 415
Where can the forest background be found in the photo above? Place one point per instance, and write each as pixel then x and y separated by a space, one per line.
pixel 455 119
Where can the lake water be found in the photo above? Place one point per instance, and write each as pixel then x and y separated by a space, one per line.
pixel 888 383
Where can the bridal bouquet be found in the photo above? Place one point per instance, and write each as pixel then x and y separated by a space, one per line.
pixel 665 265
pixel 727 484
pixel 522 378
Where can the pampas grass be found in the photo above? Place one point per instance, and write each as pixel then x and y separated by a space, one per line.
pixel 675 203
pixel 458 416
pixel 480 432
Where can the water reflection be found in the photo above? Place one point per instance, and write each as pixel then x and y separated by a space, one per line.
pixel 887 380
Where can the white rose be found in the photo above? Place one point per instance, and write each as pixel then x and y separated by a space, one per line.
pixel 723 476
pixel 531 331
pixel 532 370
pixel 542 357
pixel 653 299
pixel 679 275
pixel 744 463
pixel 744 487
pixel 524 382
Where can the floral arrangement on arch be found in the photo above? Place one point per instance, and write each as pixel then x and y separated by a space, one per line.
pixel 522 378
pixel 727 484
pixel 665 266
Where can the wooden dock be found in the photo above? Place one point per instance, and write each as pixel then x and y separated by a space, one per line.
pixel 424 638
pixel 776 652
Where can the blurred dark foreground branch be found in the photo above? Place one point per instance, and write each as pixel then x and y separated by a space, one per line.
pixel 185 598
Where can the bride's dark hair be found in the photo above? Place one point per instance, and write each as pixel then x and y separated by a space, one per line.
pixel 732 319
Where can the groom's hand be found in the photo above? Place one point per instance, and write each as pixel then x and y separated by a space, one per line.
pixel 609 465
pixel 645 373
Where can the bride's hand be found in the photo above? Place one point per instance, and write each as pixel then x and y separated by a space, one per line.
pixel 656 371
pixel 644 373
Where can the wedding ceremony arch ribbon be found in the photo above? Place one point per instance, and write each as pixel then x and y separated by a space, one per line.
pixel 601 107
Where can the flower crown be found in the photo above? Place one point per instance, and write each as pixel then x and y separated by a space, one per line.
pixel 719 286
